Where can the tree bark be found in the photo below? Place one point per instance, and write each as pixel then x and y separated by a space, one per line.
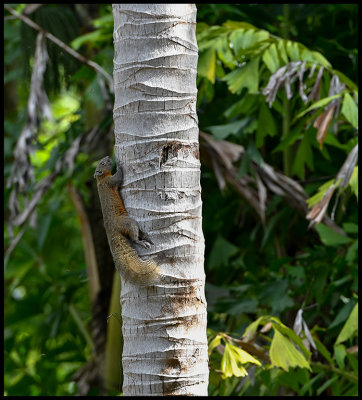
pixel 156 131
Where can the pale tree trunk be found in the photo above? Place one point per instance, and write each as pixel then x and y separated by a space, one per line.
pixel 164 326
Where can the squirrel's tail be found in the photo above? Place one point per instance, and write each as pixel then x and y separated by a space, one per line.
pixel 130 266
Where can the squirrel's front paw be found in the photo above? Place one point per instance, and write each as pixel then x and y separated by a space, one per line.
pixel 144 243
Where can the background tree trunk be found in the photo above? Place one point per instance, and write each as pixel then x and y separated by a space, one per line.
pixel 156 131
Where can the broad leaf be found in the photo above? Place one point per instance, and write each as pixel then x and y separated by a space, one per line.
pixel 207 64
pixel 266 125
pixel 284 355
pixel 214 343
pixel 271 59
pixel 221 252
pixel 244 77
pixel 233 359
pixel 340 354
pixel 330 237
pixel 304 156
pixel 350 327
pixel 350 110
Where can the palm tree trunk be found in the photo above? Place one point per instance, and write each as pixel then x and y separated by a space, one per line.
pixel 156 131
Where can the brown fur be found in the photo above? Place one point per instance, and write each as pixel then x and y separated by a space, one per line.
pixel 119 225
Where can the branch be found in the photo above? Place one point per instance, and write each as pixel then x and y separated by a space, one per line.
pixel 65 47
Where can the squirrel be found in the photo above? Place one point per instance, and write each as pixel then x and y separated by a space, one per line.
pixel 119 226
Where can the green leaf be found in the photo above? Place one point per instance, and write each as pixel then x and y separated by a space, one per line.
pixel 293 50
pixel 330 237
pixel 303 157
pixel 352 252
pixel 283 329
pixel 244 106
pixel 233 360
pixel 350 110
pixel 353 182
pixel 309 384
pixel 294 134
pixel 221 252
pixel 270 58
pixel 214 343
pixel 320 59
pixel 350 327
pixel 321 192
pixel 254 154
pixel 325 385
pixel 319 104
pixel 284 355
pixel 229 364
pixel 350 227
pixel 91 37
pixel 222 131
pixel 243 39
pixel 346 80
pixel 343 314
pixel 340 354
pixel 266 125
pixel 242 356
pixel 207 64
pixel 253 327
pixel 224 52
pixel 323 350
pixel 245 77
pixel 245 165
pixel 282 51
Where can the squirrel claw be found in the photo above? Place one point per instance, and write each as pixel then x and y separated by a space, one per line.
pixel 144 243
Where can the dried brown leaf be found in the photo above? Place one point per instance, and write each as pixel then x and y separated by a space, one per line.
pixel 322 124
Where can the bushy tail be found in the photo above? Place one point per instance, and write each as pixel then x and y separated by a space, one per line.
pixel 130 266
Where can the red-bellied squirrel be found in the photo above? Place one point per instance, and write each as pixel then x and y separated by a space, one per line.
pixel 119 226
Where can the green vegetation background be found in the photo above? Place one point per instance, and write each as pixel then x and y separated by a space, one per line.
pixel 259 275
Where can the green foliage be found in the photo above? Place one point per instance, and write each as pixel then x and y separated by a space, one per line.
pixel 280 267
pixel 259 275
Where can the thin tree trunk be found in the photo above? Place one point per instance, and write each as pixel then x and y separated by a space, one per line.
pixel 164 326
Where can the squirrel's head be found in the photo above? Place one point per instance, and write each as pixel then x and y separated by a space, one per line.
pixel 104 167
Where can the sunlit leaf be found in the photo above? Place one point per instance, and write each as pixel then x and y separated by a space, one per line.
pixel 350 110
pixel 282 51
pixel 350 327
pixel 284 355
pixel 284 330
pixel 320 59
pixel 253 327
pixel 270 58
pixel 293 50
pixel 246 76
pixel 207 64
pixel 214 343
pixel 319 103
pixel 321 192
pixel 229 365
pixel 233 360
